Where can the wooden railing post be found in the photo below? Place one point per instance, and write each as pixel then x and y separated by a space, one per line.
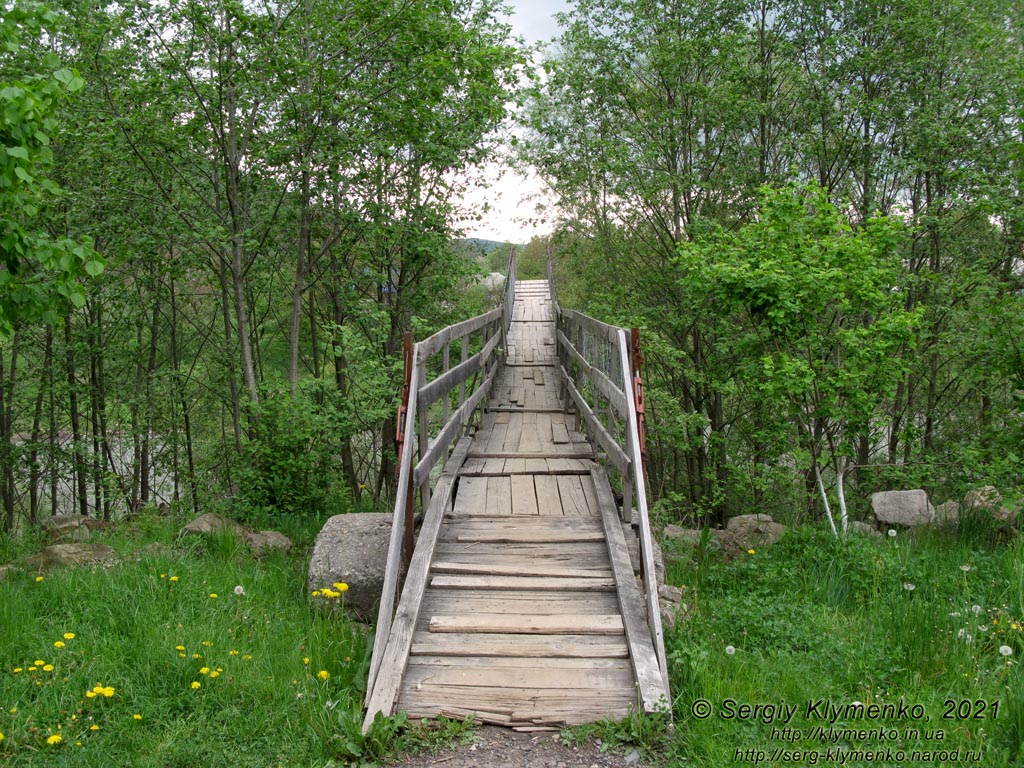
pixel 409 541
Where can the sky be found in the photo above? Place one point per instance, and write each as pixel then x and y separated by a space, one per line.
pixel 512 215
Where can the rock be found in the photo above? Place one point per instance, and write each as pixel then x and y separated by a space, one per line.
pixel 632 757
pixel 211 523
pixel 57 555
pixel 495 281
pixel 906 508
pixel 670 600
pixel 863 529
pixel 1005 515
pixel 985 497
pixel 685 535
pixel 66 528
pixel 751 532
pixel 947 515
pixel 260 541
pixel 352 549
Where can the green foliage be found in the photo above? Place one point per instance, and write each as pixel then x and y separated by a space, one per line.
pixel 40 276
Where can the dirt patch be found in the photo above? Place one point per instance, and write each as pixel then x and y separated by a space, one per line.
pixel 500 748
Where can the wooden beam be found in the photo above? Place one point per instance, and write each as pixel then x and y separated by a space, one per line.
pixel 615 396
pixel 541 624
pixel 617 456
pixel 540 583
pixel 445 383
pixel 432 344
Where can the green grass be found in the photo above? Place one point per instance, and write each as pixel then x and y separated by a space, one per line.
pixel 257 658
pixel 873 621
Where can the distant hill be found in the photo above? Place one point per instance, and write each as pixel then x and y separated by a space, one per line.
pixel 479 245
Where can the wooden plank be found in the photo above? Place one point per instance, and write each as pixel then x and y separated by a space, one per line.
pixel 548 501
pixel 574 503
pixel 615 453
pixel 540 624
pixel 524 496
pixel 384 692
pixel 579 451
pixel 651 684
pixel 611 391
pixel 529 537
pixel 514 433
pixel 540 583
pixel 495 443
pixel 525 603
pixel 615 678
pixel 559 433
pixel 524 568
pixel 584 550
pixel 432 344
pixel 471 496
pixel 538 376
pixel 519 662
pixel 499 495
pixel 445 383
pixel 591 496
pixel 546 646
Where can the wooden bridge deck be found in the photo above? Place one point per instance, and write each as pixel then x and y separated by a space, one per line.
pixel 530 612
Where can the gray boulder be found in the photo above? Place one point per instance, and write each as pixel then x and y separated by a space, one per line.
pixel 905 508
pixel 745 532
pixel 57 555
pixel 673 609
pixel 211 523
pixel 266 541
pixel 66 528
pixel 947 515
pixel 352 549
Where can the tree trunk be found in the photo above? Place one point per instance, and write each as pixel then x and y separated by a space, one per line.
pixel 76 421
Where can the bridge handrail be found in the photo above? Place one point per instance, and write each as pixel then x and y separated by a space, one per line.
pixel 418 394
pixel 609 357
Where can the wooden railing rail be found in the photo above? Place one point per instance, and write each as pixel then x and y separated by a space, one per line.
pixel 420 393
pixel 600 367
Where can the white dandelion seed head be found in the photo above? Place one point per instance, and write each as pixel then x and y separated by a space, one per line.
pixel 966 636
pixel 891 533
pixel 730 651
pixel 1005 650
pixel 983 628
pixel 240 590
pixel 966 568
pixel 976 609
pixel 908 586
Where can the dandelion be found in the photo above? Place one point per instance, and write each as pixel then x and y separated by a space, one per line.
pixel 55 739
pixel 90 694
pixel 214 674
pixel 908 586
pixel 179 648
pixel 341 586
pixel 32 669
pixel 730 650
pixel 305 660
pixel 196 685
pixel 964 635
pixel 976 609
pixel 247 657
pixel 163 575
pixel 213 595
pixel 17 670
pixel 39 662
pixel 1005 650
pixel 891 533
pixel 204 671
pixel 240 590
pixel 1015 626
pixel 1 736
pixel 173 578
pixel 181 656
pixel 136 717
pixel 207 644
pixel 232 652
pixel 94 727
pixel 750 551
pixel 197 655
pixel 316 593
pixel 48 668
pixel 966 568
pixel 323 674
pixel 58 644
pixel 69 635
pixel 38 579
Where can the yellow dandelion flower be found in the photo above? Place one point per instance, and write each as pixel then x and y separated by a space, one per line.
pixel 13 710
pixel 94 727
pixel 247 657
pixel 136 717
pixel 69 635
pixel 213 595
pixel 17 670
pixel 59 644
pixel 348 658
pixel 220 669
pixel 90 694
pixel 341 586
pixel 232 652
pixel 182 656
pixel 39 662
pixel 323 674
pixel 305 660
pixel 204 671
pixel 1 736
pixel 173 578
pixel 78 743
pixel 55 739
pixel 197 655
pixel 32 669
pixel 207 643
pixel 48 668
pixel 750 551
pixel 214 674
pixel 179 647
pixel 39 578
pixel 196 684
pixel 316 593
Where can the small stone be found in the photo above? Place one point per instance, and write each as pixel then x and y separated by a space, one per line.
pixel 632 757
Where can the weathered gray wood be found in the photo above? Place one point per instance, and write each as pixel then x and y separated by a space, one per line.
pixel 521 569
pixel 524 497
pixel 650 683
pixel 615 454
pixel 540 583
pixel 559 433
pixel 445 383
pixel 595 327
pixel 386 684
pixel 540 624
pixel 471 496
pixel 499 495
pixel 548 646
pixel 432 344
pixel 548 501
pixel 605 385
